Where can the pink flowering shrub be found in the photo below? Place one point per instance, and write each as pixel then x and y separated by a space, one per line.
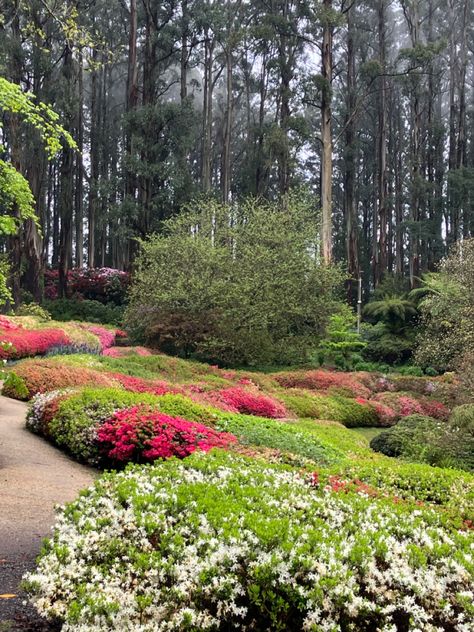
pixel 22 343
pixel 139 385
pixel 404 405
pixel 121 352
pixel 106 336
pixel 386 415
pixel 239 400
pixel 319 380
pixel 6 323
pixel 99 284
pixel 409 406
pixel 140 434
pixel 435 409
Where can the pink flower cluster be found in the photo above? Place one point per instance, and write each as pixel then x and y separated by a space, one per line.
pixel 6 323
pixel 319 380
pixel 120 352
pixel 138 385
pixel 387 416
pixel 140 434
pixel 403 405
pixel 106 336
pixel 239 400
pixel 96 284
pixel 21 343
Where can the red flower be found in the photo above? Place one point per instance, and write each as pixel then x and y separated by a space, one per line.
pixel 141 434
pixel 21 343
pixel 249 403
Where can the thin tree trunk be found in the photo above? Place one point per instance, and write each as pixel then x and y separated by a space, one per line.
pixel 352 247
pixel 326 139
pixel 382 202
pixel 226 153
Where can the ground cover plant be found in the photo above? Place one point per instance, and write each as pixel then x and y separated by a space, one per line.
pixel 196 544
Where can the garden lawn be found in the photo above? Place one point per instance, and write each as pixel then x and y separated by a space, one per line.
pixel 256 497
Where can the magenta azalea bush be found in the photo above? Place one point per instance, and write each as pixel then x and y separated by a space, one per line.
pixel 239 400
pixel 139 434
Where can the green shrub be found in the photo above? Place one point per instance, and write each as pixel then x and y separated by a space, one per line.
pixel 91 311
pixel 332 407
pixel 218 542
pixel 75 423
pixel 266 302
pixel 342 344
pixel 33 309
pixel 450 489
pixel 15 387
pixel 427 440
pixel 463 417
pixel 253 431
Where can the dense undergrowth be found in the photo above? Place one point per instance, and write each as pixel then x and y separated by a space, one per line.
pixel 298 520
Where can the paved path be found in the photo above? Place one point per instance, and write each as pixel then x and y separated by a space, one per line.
pixel 34 477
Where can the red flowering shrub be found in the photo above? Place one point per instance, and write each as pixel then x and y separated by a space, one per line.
pixel 99 284
pixel 404 405
pixel 320 380
pixel 22 343
pixel 121 352
pixel 139 385
pixel 435 409
pixel 41 376
pixel 140 434
pixel 236 399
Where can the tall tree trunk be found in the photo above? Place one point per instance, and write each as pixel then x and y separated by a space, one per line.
pixel 94 159
pixel 132 93
pixel 79 189
pixel 207 114
pixel 226 152
pixel 382 202
pixel 326 137
pixel 184 51
pixel 352 246
pixel 66 183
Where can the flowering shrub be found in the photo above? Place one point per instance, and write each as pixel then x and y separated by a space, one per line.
pixel 451 490
pixel 386 416
pixel 21 343
pixel 139 385
pixel 122 352
pixel 42 409
pixel 106 336
pixel 220 542
pixel 139 434
pixel 321 380
pixel 99 284
pixel 405 404
pixel 40 376
pixel 79 417
pixel 243 401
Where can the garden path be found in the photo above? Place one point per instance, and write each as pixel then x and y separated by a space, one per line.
pixel 34 477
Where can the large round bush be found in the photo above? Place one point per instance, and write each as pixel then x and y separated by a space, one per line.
pixel 428 440
pixel 217 542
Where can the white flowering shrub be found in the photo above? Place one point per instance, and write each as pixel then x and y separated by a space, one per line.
pixel 35 418
pixel 219 542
